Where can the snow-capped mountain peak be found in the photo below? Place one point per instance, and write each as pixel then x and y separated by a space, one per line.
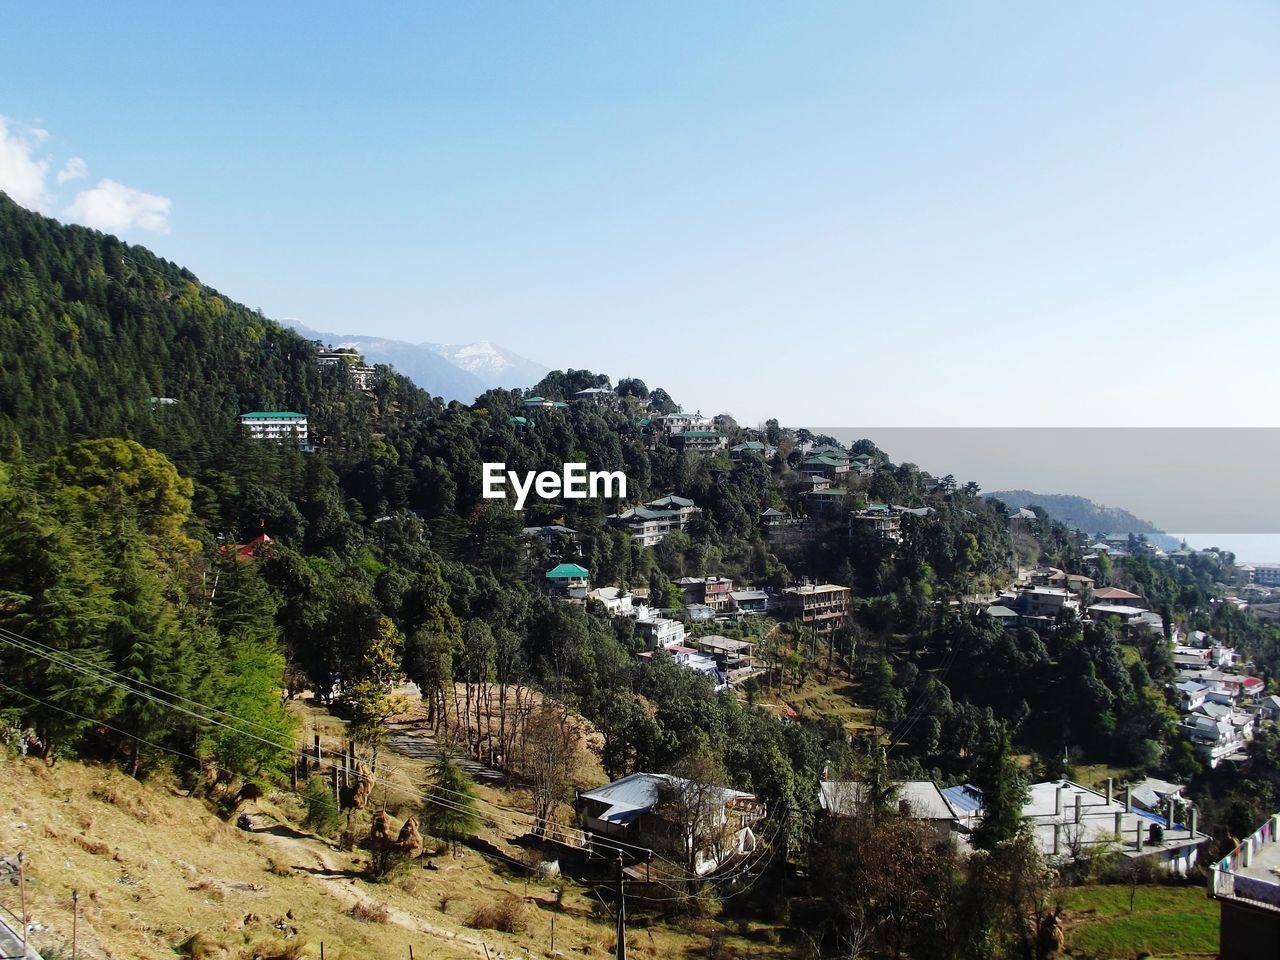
pixel 491 363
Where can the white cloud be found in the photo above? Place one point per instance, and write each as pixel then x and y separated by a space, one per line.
pixel 112 206
pixel 73 169
pixel 22 174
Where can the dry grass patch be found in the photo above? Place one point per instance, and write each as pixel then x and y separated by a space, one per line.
pixel 95 847
pixel 277 868
pixel 368 912
pixel 508 915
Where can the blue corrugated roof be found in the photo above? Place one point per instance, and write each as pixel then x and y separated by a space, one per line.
pixel 965 798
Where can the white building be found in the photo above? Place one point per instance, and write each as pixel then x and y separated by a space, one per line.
pixel 1069 822
pixel 616 601
pixel 276 425
pixel 661 632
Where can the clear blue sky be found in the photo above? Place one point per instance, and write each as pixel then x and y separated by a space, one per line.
pixel 923 214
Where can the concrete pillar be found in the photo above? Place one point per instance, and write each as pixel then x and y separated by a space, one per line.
pixel 1142 836
pixel 1128 798
pixel 1119 824
pixel 1110 788
pixel 1079 803
pixel 1057 802
pixel 1057 839
pixel 1191 822
pixel 1247 849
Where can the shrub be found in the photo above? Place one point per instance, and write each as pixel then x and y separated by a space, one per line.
pixel 505 916
pixel 276 868
pixel 323 815
pixel 370 912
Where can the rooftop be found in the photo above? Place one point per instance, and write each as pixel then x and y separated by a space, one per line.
pixel 809 589
pixel 273 415
pixel 1114 593
pixel 568 571
pixel 718 644
pixel 1098 821
pixel 633 796
pixel 924 798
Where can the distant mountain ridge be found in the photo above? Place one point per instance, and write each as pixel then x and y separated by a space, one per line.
pixel 452 371
pixel 1083 514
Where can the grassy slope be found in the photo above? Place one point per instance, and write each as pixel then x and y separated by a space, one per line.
pixel 1167 921
pixel 153 868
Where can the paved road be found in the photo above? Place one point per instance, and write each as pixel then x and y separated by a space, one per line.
pixel 11 940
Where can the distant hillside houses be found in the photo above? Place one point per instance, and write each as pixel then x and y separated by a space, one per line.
pixel 1220 705
pixel 1046 593
pixel 361 374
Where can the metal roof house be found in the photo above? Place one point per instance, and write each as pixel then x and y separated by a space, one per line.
pixel 918 799
pixel 569 580
pixel 644 809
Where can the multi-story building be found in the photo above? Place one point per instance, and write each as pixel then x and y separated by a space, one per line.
pixel 699 441
pixel 879 517
pixel 820 605
pixel 660 632
pixel 1266 574
pixel 709 591
pixel 678 422
pixel 277 425
pixel 657 519
pixel 570 581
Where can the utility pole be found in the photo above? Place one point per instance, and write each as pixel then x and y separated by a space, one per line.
pixel 22 894
pixel 621 953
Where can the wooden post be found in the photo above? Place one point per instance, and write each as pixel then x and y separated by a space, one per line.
pixel 75 924
pixel 317 750
pixel 337 794
pixel 553 936
pixel 351 762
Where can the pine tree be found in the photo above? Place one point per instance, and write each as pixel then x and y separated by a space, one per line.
pixel 53 597
pixel 449 805
pixel 1004 792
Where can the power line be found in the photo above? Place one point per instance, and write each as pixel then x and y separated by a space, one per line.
pixel 59 658
pixel 142 683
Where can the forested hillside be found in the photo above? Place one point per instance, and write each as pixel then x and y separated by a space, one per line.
pixel 138 603
pixel 1091 519
pixel 94 331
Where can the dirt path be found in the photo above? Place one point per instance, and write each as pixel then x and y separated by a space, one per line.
pixel 411 736
pixel 319 860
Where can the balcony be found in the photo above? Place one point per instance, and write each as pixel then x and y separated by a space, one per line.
pixel 1250 873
